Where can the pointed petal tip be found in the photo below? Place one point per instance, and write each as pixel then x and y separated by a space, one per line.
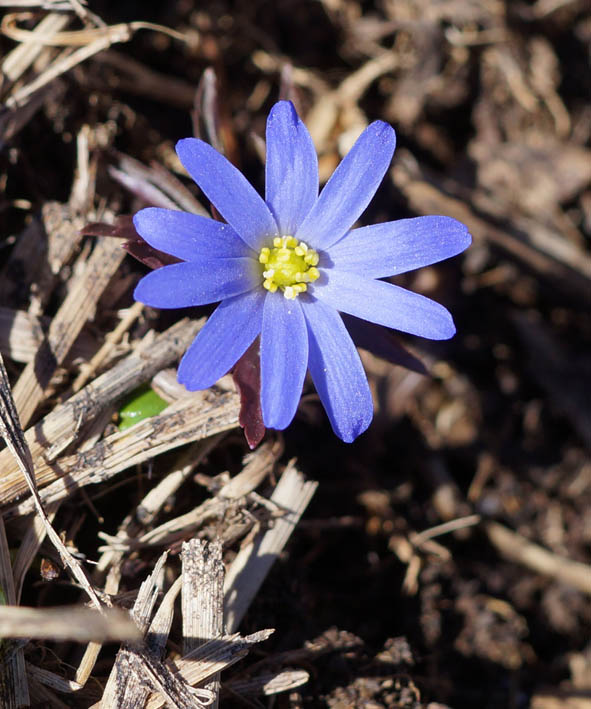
pixel 385 130
pixel 283 106
pixel 350 435
pixel 445 329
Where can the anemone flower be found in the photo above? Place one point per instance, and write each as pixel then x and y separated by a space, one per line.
pixel 283 269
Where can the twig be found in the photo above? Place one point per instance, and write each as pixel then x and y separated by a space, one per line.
pixel 14 691
pixel 254 561
pixel 67 623
pixel 11 431
pixel 517 548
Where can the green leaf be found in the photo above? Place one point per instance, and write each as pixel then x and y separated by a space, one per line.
pixel 142 404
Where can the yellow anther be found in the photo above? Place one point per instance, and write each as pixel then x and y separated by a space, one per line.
pixel 290 266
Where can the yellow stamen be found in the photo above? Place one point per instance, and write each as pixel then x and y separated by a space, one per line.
pixel 290 265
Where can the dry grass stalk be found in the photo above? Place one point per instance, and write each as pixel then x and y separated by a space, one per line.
pixel 14 690
pixel 143 607
pixel 517 548
pixel 111 560
pixel 136 665
pixel 66 422
pixel 11 431
pixel 37 675
pixel 79 38
pixel 21 334
pixel 258 467
pixel 252 564
pixel 189 419
pixel 67 623
pixel 267 684
pixel 90 40
pixel 203 598
pixel 212 657
pixel 22 56
pixel 112 338
pixel 78 307
pixel 137 690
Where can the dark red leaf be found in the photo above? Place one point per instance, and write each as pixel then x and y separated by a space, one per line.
pixel 247 377
pixel 135 245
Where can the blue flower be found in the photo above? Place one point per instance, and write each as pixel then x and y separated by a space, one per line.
pixel 286 266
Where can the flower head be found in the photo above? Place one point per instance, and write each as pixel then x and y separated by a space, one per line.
pixel 286 266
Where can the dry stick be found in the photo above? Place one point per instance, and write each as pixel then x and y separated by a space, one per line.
pixel 203 599
pixel 189 419
pixel 21 334
pixel 41 694
pixel 92 41
pixel 80 38
pixel 259 465
pixel 50 679
pixel 14 690
pixel 61 427
pixel 253 562
pixel 141 613
pixel 143 515
pixel 214 656
pixel 11 431
pixel 75 623
pixel 139 660
pixel 137 690
pixel 88 370
pixel 22 56
pixel 78 307
pixel 268 684
pixel 517 548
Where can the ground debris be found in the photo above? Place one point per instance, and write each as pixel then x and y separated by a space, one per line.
pixel 443 559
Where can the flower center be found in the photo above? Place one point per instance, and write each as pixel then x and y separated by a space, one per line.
pixel 289 265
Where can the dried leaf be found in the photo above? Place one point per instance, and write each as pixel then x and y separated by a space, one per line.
pixel 247 377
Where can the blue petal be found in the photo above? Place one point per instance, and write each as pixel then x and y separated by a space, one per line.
pixel 197 283
pixel 284 359
pixel 229 191
pixel 337 371
pixel 351 187
pixel 224 338
pixel 397 247
pixel 188 236
pixel 385 304
pixel 291 172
